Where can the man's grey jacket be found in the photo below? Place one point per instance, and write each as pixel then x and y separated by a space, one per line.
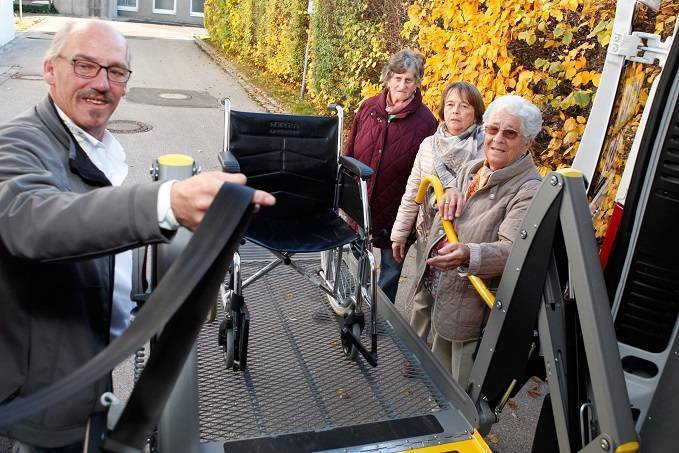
pixel 60 224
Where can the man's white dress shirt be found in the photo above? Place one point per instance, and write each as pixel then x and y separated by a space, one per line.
pixel 110 158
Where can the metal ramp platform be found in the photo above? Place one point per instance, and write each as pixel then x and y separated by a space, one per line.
pixel 300 393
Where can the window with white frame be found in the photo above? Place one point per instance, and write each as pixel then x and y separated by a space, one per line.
pixel 197 7
pixel 165 6
pixel 127 5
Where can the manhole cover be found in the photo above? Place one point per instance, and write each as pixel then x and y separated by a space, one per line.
pixel 27 76
pixel 171 98
pixel 174 96
pixel 128 127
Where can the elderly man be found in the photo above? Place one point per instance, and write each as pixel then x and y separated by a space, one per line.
pixel 65 225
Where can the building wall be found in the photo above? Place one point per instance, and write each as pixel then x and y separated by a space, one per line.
pixel 6 21
pixel 182 14
pixel 144 12
pixel 87 8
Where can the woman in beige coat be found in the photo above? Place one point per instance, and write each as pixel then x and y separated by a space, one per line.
pixel 457 140
pixel 491 197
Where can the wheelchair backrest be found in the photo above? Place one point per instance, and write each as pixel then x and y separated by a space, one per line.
pixel 293 157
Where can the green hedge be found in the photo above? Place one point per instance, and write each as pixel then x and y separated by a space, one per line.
pixel 267 34
pixel 35 9
pixel 348 40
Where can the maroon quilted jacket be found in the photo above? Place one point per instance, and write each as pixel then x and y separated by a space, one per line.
pixel 389 148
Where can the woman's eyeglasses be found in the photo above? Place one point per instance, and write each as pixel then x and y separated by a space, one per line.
pixel 509 134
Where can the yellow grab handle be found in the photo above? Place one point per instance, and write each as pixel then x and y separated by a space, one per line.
pixel 476 282
pixel 628 447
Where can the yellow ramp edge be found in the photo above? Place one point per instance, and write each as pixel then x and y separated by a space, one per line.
pixel 474 445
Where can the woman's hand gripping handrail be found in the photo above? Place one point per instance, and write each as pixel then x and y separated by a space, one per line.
pixel 478 284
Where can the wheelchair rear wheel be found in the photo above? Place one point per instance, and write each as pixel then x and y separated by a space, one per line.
pixel 349 349
pixel 341 279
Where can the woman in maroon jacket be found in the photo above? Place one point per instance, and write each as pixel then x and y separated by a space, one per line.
pixel 386 134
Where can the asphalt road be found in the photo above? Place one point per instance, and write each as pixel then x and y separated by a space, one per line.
pixel 174 92
pixel 166 64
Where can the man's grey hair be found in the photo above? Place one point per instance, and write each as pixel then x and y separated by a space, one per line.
pixel 403 61
pixel 61 38
pixel 529 115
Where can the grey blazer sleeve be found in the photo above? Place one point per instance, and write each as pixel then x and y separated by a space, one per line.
pixel 47 213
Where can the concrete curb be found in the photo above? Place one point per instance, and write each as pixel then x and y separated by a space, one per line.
pixel 258 95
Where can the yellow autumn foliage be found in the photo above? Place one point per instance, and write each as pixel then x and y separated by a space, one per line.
pixel 550 52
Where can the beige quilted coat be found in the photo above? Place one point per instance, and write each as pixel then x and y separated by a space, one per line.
pixel 488 225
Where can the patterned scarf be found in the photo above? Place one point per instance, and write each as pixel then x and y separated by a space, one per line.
pixel 395 109
pixel 451 151
pixel 480 179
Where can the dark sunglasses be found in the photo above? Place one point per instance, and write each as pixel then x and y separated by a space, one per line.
pixel 509 134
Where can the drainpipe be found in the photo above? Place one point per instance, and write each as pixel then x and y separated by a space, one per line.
pixel 310 9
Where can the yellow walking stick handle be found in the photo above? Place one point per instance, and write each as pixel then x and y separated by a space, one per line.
pixel 478 284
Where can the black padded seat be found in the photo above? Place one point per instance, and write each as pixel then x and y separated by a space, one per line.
pixel 296 159
pixel 304 233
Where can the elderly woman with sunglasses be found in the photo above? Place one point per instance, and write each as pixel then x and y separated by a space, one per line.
pixel 458 139
pixel 489 200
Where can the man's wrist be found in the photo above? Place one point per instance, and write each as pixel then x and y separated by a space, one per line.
pixel 166 218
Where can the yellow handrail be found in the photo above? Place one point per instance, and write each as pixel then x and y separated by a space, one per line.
pixel 478 284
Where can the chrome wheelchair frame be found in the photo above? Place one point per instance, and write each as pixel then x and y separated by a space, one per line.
pixel 347 274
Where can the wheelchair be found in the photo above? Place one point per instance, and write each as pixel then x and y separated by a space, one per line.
pixel 321 207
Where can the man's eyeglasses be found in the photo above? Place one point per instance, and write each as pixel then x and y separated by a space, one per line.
pixel 509 134
pixel 89 70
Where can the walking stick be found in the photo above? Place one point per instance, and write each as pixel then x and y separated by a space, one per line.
pixel 433 181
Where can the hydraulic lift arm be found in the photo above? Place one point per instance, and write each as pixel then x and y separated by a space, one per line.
pixel 556 252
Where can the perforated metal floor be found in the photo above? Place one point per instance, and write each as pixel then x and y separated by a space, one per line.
pixel 298 378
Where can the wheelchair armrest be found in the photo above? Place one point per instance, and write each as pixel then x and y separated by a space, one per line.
pixel 228 162
pixel 356 167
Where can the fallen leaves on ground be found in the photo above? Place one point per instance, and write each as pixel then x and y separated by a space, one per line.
pixel 534 392
pixel 342 394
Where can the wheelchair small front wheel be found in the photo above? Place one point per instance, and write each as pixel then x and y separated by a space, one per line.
pixel 350 350
pixel 227 341
pixel 229 349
